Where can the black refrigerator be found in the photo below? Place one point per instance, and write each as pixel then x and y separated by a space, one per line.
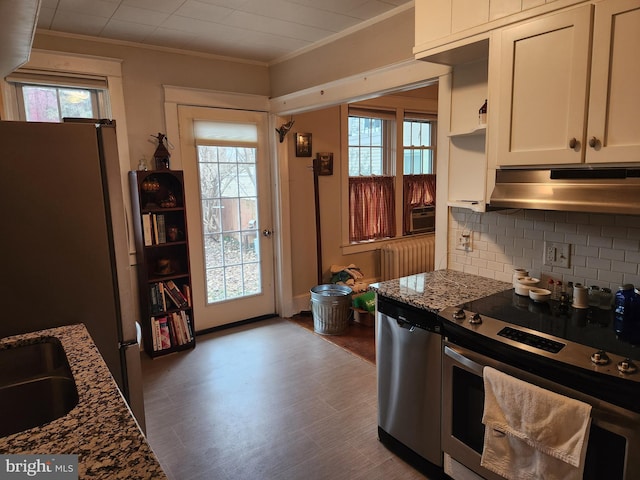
pixel 64 240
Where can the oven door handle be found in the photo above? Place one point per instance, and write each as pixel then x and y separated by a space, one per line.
pixel 473 361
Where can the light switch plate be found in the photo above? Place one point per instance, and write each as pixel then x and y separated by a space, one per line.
pixel 556 254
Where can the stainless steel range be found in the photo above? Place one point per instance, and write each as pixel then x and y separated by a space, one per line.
pixel 573 352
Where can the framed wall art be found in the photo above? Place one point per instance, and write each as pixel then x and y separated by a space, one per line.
pixel 303 144
pixel 324 163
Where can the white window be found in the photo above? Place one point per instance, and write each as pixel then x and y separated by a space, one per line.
pixel 419 144
pixel 370 137
pixel 227 154
pixel 47 97
pixel 383 187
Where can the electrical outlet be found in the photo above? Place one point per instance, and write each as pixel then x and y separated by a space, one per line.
pixel 463 240
pixel 556 254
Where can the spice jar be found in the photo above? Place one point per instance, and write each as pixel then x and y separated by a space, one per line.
pixel 594 296
pixel 606 298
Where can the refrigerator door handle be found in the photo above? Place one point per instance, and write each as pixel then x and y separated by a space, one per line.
pixel 133 381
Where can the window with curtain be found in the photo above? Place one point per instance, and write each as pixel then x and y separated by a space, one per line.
pixel 375 187
pixel 371 175
pixel 419 148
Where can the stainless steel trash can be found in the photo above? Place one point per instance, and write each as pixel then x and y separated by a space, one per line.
pixel 331 306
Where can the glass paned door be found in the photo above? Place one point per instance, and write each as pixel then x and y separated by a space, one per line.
pixel 228 199
pixel 230 219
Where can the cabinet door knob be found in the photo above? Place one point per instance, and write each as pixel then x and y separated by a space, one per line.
pixel 593 142
pixel 267 233
pixel 573 142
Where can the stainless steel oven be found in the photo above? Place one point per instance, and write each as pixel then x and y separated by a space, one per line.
pixel 614 439
pixel 573 352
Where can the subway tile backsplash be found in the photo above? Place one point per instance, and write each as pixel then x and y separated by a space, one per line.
pixel 605 248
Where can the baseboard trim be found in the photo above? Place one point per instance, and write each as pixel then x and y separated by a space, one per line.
pixel 235 324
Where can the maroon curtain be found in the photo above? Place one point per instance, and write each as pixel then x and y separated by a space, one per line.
pixel 371 208
pixel 419 190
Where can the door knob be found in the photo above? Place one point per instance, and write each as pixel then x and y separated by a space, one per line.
pixel 267 233
pixel 593 142
pixel 573 142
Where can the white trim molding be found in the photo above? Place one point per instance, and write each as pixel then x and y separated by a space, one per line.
pixel 174 96
pixel 393 78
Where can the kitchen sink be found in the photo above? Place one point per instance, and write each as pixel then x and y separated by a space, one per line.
pixel 36 385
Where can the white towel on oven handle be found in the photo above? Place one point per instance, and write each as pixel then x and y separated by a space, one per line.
pixel 531 432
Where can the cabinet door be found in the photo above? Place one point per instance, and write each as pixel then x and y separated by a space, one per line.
pixel 432 20
pixel 613 134
pixel 543 76
pixel 468 13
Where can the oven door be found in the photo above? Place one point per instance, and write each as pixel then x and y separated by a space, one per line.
pixel 614 434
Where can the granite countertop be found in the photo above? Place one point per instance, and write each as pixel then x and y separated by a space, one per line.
pixel 439 289
pixel 100 429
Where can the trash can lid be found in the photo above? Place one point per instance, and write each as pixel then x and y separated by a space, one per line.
pixel 331 290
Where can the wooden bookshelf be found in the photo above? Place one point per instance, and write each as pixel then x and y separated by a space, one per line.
pixel 162 253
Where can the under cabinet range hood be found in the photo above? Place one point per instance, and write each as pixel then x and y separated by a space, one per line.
pixel 586 189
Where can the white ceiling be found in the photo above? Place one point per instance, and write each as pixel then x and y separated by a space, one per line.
pixel 255 30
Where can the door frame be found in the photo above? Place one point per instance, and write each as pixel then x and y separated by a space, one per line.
pixel 176 96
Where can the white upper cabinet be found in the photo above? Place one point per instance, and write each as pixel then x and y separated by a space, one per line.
pixel 544 67
pixel 613 129
pixel 544 87
pixel 444 27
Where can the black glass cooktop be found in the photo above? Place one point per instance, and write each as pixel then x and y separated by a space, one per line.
pixel 592 326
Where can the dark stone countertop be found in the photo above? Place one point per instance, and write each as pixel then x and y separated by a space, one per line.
pixel 100 429
pixel 439 289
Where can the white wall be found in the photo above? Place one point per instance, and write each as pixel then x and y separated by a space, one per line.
pixel 605 249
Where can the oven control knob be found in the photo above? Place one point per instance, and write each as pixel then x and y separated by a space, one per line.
pixel 475 319
pixel 627 366
pixel 459 315
pixel 600 358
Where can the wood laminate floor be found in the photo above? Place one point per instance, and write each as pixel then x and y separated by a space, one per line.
pixel 268 400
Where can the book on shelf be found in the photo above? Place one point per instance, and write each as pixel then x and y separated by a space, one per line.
pixel 165 334
pixel 163 297
pixel 186 291
pixel 157 298
pixel 162 229
pixel 171 330
pixel 155 334
pixel 154 229
pixel 174 293
pixel 147 231
pixel 154 298
pixel 187 324
pixel 183 333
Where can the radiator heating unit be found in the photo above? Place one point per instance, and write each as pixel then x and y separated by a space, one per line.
pixel 407 257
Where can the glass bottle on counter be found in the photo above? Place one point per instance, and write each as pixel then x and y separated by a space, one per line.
pixel 622 322
pixel 557 290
